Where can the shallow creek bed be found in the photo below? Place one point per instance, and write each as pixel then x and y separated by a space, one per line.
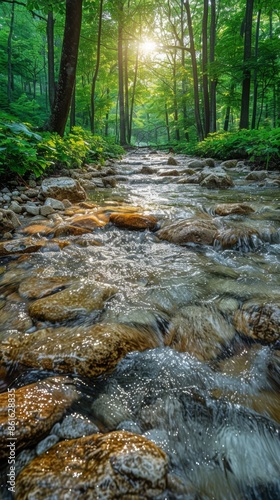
pixel 140 337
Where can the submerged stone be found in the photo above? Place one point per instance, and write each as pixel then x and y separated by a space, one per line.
pixel 189 231
pixel 86 351
pixel 201 331
pixel 37 407
pixel 19 246
pixel 78 299
pixel 215 181
pixel 239 238
pixel 110 466
pixel 233 208
pixel 35 287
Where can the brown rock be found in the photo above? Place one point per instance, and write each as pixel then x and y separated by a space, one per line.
pixel 80 298
pixel 233 208
pixel 32 410
pixel 189 231
pixel 37 229
pixel 169 172
pixel 259 321
pixel 87 221
pixel 133 221
pixel 37 287
pixel 115 465
pixel 172 161
pixel 214 181
pixel 239 237
pixel 86 351
pixel 200 330
pixel 69 230
pixel 22 245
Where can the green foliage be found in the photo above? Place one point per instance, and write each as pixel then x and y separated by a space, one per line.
pixel 260 146
pixel 24 151
pixel 19 150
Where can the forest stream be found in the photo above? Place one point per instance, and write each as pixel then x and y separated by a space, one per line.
pixel 143 357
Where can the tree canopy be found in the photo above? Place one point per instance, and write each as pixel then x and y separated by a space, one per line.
pixel 141 71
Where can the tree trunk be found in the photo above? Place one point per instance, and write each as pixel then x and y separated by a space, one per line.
pixel 10 72
pixel 245 99
pixel 73 109
pixel 95 75
pixel 205 69
pixel 68 64
pixel 255 96
pixel 213 83
pixel 121 79
pixel 50 42
pixel 195 75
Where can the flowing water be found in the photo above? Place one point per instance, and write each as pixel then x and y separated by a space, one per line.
pixel 216 417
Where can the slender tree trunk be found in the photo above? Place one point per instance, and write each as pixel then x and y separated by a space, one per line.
pixel 126 89
pixel 167 123
pixel 195 74
pixel 50 43
pixel 245 99
pixel 10 71
pixel 73 109
pixel 213 82
pixel 121 76
pixel 133 95
pixel 97 65
pixel 255 96
pixel 184 81
pixel 205 69
pixel 68 64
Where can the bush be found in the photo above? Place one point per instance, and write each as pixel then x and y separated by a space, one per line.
pixel 23 151
pixel 259 146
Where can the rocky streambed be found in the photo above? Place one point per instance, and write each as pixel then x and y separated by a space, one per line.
pixel 140 332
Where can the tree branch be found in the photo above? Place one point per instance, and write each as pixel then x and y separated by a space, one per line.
pixel 24 5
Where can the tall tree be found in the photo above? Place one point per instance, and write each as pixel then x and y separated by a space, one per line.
pixel 68 64
pixel 97 65
pixel 245 99
pixel 199 127
pixel 121 73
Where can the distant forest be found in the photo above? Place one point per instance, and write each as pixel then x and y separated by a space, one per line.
pixel 141 71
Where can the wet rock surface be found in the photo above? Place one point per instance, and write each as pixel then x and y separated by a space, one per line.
pixel 36 409
pixel 116 465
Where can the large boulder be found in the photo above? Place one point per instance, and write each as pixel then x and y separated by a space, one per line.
pixel 62 188
pixel 109 466
pixel 198 231
pixel 30 412
pixel 86 351
pixel 238 238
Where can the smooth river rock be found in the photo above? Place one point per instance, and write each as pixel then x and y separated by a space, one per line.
pixel 86 351
pixel 259 321
pixel 62 188
pixel 32 410
pixel 78 299
pixel 133 221
pixel 115 465
pixel 189 231
pixel 233 208
pixel 36 287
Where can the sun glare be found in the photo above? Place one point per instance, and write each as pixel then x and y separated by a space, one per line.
pixel 148 47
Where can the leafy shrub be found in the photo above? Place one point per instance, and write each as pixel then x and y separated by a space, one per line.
pixel 19 150
pixel 23 151
pixel 260 146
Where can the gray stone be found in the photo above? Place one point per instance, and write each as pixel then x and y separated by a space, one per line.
pixel 63 187
pixel 32 209
pixel 15 207
pixel 55 204
pixel 46 444
pixel 46 210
